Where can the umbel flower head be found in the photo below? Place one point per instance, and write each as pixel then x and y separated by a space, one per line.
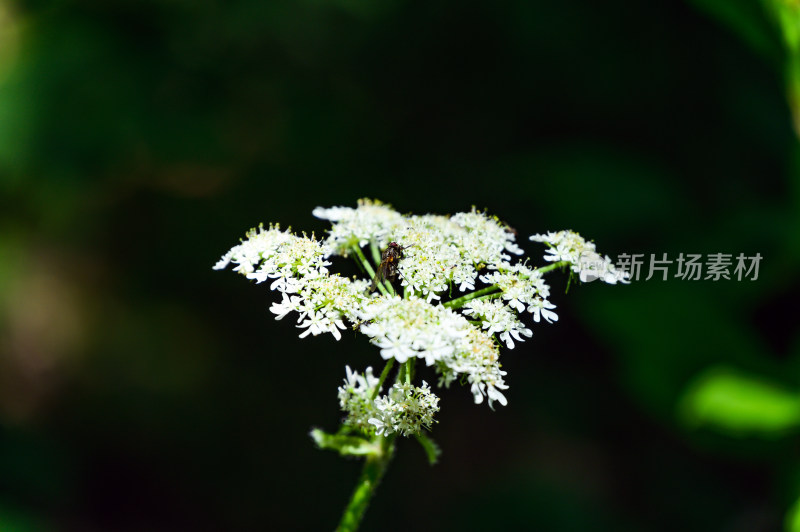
pixel 406 409
pixel 461 293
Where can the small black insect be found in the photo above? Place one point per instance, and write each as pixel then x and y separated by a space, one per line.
pixel 387 270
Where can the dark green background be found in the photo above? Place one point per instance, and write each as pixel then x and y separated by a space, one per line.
pixel 139 140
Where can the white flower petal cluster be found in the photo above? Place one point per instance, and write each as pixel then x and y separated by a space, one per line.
pixel 434 258
pixel 299 271
pixel 441 250
pixel 323 303
pixel 355 398
pixel 488 238
pixel 466 252
pixel 541 308
pixel 444 250
pixel 276 254
pixel 372 221
pixel 522 286
pixel 406 409
pixel 582 256
pixel 497 318
pixel 478 360
pixel 407 328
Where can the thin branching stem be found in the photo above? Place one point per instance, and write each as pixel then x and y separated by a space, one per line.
pixel 385 373
pixel 491 292
pixel 371 272
pixel 375 466
pixel 409 370
pixel 551 267
pixel 363 261
pixel 376 252
pixel 461 301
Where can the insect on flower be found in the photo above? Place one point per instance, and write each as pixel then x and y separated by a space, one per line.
pixel 387 270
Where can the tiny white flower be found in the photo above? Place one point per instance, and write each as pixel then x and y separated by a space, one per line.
pixel 380 427
pixel 395 348
pixel 514 334
pixel 541 309
pixel 495 395
pixel 287 305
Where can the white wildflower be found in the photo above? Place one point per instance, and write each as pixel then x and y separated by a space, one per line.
pixel 405 328
pixel 355 398
pixel 520 284
pixel 444 250
pixel 541 308
pixel 406 409
pixel 583 257
pixel 458 337
pixel 489 237
pixel 438 335
pixel 320 322
pixel 287 305
pixel 371 221
pixel 497 318
pixel 476 357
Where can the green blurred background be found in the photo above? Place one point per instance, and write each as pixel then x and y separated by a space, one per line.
pixel 140 390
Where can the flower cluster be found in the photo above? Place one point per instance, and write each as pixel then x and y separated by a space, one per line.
pixel 459 296
pixel 522 287
pixel 299 269
pixel 497 318
pixel 275 254
pixel 414 328
pixel 406 409
pixel 583 257
pixel 371 222
pixel 355 398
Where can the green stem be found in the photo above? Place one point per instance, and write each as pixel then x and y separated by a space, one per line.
pixel 491 292
pixel 559 264
pixel 409 369
pixel 376 252
pixel 368 267
pixel 461 301
pixel 491 296
pixel 386 369
pixel 374 468
pixel 389 288
pixel 376 257
pixel 363 260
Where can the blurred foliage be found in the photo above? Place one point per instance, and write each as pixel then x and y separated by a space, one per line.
pixel 793 518
pixel 740 404
pixel 139 140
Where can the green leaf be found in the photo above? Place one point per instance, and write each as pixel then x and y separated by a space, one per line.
pixel 787 14
pixel 431 448
pixel 792 522
pixel 745 18
pixel 740 404
pixel 345 445
pixel 17 520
